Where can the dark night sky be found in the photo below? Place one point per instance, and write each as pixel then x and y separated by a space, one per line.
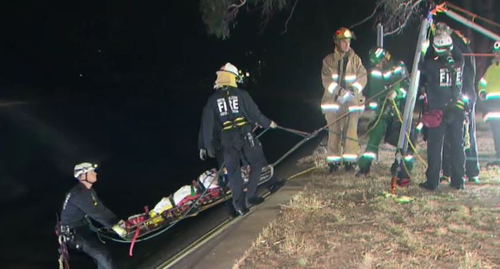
pixel 46 45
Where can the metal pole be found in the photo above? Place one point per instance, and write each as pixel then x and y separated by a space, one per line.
pixel 412 92
pixel 380 35
pixel 472 25
pixel 479 54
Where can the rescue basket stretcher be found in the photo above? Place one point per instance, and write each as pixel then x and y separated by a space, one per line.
pixel 187 202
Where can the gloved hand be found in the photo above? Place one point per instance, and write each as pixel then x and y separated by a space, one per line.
pixel 211 152
pixel 425 46
pixel 273 125
pixel 119 230
pixel 391 95
pixel 482 95
pixel 203 154
pixel 344 96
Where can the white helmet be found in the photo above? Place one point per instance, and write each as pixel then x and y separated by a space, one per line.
pixel 442 43
pixel 229 67
pixel 442 28
pixel 83 168
pixel 496 47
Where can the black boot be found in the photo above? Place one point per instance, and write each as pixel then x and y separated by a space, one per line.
pixel 243 211
pixel 333 167
pixel 255 200
pixel 349 166
pixel 362 173
pixel 231 211
pixel 426 186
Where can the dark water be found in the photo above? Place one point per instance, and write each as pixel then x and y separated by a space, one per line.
pixel 145 144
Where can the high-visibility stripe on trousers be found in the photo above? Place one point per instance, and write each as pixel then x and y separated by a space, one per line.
pixel 343 134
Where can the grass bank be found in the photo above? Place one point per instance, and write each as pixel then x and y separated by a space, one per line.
pixel 340 221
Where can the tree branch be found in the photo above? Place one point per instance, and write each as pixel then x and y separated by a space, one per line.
pixel 369 17
pixel 242 3
pixel 290 17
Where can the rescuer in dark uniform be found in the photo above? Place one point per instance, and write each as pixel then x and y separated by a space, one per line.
pixel 233 113
pixel 462 44
pixel 82 202
pixel 444 112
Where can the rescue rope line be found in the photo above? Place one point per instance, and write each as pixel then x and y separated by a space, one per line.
pixel 293 131
pixel 378 118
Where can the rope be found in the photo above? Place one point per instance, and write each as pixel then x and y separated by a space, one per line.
pixel 293 131
pixel 378 118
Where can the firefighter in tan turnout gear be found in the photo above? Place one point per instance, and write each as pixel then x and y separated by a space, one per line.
pixel 344 78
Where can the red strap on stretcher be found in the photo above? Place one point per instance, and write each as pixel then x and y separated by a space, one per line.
pixel 137 231
pixel 131 249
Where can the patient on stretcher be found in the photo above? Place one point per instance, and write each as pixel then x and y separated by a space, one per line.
pixel 187 193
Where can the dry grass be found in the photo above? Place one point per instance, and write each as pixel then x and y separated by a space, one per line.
pixel 340 221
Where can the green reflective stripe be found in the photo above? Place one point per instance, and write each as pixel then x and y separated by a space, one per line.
pixel 376 73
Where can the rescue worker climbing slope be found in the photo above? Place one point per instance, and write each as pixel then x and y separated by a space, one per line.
pixel 385 73
pixel 344 77
pixel 232 112
pixel 462 44
pixel 444 112
pixel 82 202
pixel 489 92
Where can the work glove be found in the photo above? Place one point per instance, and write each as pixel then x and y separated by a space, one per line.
pixel 391 95
pixel 425 46
pixel 119 230
pixel 273 125
pixel 344 96
pixel 203 154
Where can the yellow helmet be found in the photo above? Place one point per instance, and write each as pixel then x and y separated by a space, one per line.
pixel 344 33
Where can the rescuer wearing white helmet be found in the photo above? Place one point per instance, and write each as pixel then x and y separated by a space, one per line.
pixel 230 115
pixel 81 202
pixel 444 111
pixel 463 45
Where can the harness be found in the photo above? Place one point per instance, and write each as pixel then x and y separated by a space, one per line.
pixel 64 235
pixel 233 124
